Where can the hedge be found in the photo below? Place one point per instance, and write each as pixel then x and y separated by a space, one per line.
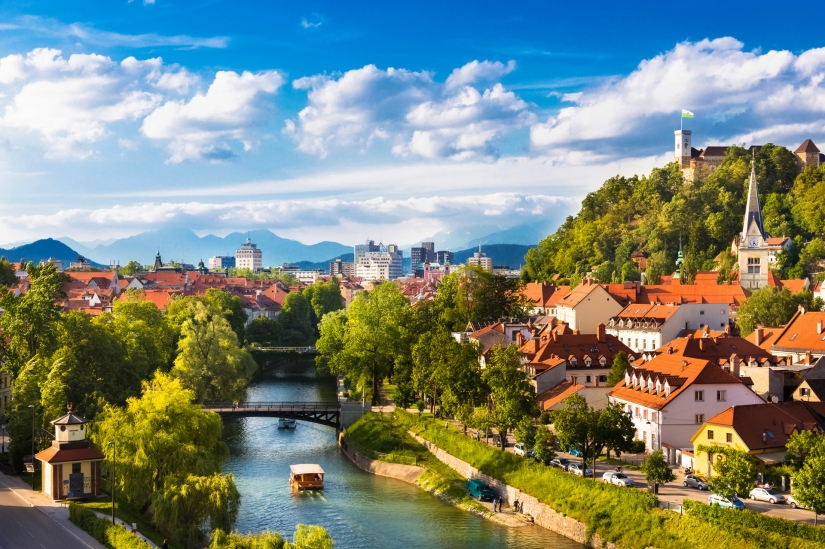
pixel 110 535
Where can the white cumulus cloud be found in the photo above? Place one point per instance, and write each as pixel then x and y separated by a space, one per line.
pixel 417 114
pixel 230 110
pixel 742 94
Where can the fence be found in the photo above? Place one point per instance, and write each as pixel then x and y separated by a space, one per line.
pixel 675 507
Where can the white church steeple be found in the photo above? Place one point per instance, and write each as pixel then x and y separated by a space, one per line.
pixel 754 255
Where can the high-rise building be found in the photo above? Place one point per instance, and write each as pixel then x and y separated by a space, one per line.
pixel 444 257
pixel 361 249
pixel 221 262
pixel 479 258
pixel 418 256
pixel 430 247
pixel 248 256
pixel 341 268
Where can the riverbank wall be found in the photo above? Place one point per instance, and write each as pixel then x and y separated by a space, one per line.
pixel 407 473
pixel 543 515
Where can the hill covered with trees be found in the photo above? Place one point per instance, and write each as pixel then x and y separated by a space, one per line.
pixel 659 213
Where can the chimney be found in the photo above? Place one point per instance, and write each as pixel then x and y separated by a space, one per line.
pixel 702 344
pixel 684 365
pixel 706 331
pixel 576 331
pixel 760 335
pixel 818 327
pixel 735 365
pixel 519 339
pixel 808 357
pixel 727 329
pixel 601 335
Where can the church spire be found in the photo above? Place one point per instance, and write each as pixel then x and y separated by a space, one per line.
pixel 752 210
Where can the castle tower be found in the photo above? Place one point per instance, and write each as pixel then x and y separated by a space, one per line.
pixel 753 242
pixel 807 154
pixel 683 147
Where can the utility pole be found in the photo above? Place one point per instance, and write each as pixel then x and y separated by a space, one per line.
pixel 32 458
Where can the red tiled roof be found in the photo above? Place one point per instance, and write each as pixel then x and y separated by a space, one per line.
pixel 794 286
pixel 53 455
pixel 560 293
pixel 538 292
pixel 717 349
pixel 578 294
pixel 553 396
pixel 563 344
pixel 804 332
pixel 807 146
pixel 751 421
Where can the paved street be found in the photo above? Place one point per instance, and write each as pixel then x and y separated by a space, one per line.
pixel 44 526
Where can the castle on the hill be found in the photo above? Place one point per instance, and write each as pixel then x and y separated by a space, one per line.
pixel 698 162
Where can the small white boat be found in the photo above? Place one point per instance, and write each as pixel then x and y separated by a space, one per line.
pixel 287 423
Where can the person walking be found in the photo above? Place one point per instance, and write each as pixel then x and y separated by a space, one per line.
pixel 515 506
pixel 165 545
pixel 495 505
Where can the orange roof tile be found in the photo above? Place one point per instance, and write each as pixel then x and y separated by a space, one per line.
pixel 717 349
pixel 804 332
pixel 775 421
pixel 557 394
pixel 538 292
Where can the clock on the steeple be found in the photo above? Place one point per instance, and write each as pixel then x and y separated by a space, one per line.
pixel 753 242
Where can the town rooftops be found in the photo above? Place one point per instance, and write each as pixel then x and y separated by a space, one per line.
pixel 578 294
pixel 557 394
pixel 645 313
pixel 713 151
pixel 538 292
pixel 766 425
pixel 717 349
pixel 665 377
pixel 807 146
pixel 804 332
pixel 579 350
pixel 56 455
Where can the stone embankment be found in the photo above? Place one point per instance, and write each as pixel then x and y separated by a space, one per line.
pixel 407 473
pixel 542 514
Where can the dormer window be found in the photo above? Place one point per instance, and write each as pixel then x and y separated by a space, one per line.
pixel 587 362
pixel 573 361
pixel 658 387
pixel 627 380
pixel 603 361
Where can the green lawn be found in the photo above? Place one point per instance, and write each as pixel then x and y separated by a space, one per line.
pixel 129 514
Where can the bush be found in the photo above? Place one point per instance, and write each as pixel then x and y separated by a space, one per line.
pixel 637 447
pixel 110 535
pixel 420 406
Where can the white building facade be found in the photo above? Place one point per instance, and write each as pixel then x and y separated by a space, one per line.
pixel 248 256
pixel 374 266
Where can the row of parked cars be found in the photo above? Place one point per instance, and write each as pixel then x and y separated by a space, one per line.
pixel 757 494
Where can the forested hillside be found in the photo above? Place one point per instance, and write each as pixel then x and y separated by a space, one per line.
pixel 656 213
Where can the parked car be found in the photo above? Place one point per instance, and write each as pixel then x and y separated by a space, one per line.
pixel 767 494
pixel 693 481
pixel 794 504
pixel 578 468
pixel 619 479
pixel 518 449
pixel 479 489
pixel 735 503
pixel 574 451
pixel 560 463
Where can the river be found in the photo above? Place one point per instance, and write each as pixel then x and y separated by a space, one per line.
pixel 361 511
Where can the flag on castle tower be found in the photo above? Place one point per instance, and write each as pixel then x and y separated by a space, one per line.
pixel 686 114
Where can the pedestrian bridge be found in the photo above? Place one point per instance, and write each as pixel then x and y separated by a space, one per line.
pixel 324 413
pixel 299 350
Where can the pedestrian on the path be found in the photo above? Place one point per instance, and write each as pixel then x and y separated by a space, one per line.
pixel 495 505
pixel 515 506
pixel 165 545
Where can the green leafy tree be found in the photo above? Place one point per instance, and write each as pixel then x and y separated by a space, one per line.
pixel 295 319
pixel 472 294
pixel 30 322
pixel 544 446
pixel 734 470
pixel 25 392
pixel 130 269
pixel 631 272
pixel 8 276
pixel 809 484
pixel 305 537
pixel 805 443
pixel 324 297
pixel 263 331
pixel 231 307
pixel 210 362
pixel 618 368
pixel 365 343
pixel 656 469
pixel 161 436
pixel 766 306
pixel 510 391
pixel 525 432
pixel 590 431
pixel 190 507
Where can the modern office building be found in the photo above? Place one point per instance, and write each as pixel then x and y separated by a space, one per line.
pixel 221 262
pixel 341 268
pixel 480 258
pixel 248 256
pixel 361 249
pixel 445 258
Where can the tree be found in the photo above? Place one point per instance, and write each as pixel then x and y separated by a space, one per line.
pixel 29 323
pixel 631 272
pixel 25 392
pixel 525 432
pixel 809 484
pixel 161 436
pixel 510 391
pixel 324 297
pixel 263 331
pixel 805 443
pixel 305 537
pixel 618 368
pixel 590 431
pixel 472 294
pixel 210 362
pixel 231 307
pixel 295 319
pixel 734 470
pixel 367 341
pixel 544 447
pixel 8 276
pixel 656 469
pixel 190 507
pixel 130 269
pixel 767 306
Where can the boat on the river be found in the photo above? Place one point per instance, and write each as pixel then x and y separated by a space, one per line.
pixel 287 423
pixel 306 476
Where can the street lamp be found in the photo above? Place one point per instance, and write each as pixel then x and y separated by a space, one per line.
pixel 114 465
pixel 33 409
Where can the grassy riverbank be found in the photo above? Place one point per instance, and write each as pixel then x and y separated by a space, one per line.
pixel 629 518
pixel 384 437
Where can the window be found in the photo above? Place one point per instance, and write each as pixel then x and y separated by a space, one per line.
pixel 710 435
pixel 753 265
pixel 602 379
pixel 653 441
pixel 699 396
pixel 699 419
pixel 637 344
pixel 637 412
pixel 644 344
pixel 587 379
pixel 75 468
pixel 701 312
pixel 803 391
pixel 728 437
pixel 721 396
pixel 644 414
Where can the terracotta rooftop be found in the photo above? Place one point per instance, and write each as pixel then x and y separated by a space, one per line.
pixel 679 372
pixel 804 332
pixel 538 292
pixel 570 346
pixel 777 422
pixel 54 455
pixel 579 294
pixel 807 146
pixel 648 311
pixel 553 396
pixel 716 349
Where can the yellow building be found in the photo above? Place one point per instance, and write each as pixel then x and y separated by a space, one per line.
pixel 71 467
pixel 762 430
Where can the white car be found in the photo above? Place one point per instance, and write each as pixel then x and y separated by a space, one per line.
pixel 518 449
pixel 619 479
pixel 767 494
pixel 794 504
pixel 578 468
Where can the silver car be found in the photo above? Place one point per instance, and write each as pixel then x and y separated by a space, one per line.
pixel 578 468
pixel 619 479
pixel 767 494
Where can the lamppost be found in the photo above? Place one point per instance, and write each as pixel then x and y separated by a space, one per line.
pixel 33 409
pixel 114 465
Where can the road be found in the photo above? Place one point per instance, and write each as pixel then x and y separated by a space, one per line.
pixel 25 527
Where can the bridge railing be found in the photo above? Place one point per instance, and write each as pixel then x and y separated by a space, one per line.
pixel 273 406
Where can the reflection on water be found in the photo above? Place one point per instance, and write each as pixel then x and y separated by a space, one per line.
pixel 360 510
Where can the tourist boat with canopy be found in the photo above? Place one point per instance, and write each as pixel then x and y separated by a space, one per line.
pixel 306 476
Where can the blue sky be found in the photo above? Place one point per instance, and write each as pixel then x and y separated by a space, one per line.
pixel 342 121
